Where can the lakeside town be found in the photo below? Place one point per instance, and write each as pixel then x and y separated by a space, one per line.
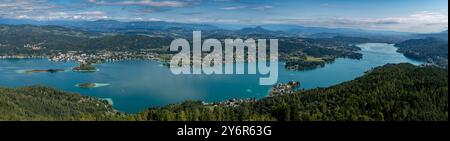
pixel 104 56
pixel 92 57
pixel 276 90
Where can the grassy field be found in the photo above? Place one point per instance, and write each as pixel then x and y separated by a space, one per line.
pixel 313 59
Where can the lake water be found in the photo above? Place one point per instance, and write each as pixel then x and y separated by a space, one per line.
pixel 137 85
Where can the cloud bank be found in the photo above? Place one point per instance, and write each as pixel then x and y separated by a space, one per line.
pixel 213 11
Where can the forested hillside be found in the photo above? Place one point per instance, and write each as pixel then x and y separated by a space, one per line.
pixel 30 39
pixel 431 50
pixel 42 103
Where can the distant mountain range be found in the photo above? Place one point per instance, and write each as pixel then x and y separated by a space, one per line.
pixel 112 25
pixel 441 35
pixel 270 30
pixel 148 26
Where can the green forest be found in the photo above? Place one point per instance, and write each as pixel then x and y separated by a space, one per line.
pixel 39 103
pixel 394 92
pixel 432 50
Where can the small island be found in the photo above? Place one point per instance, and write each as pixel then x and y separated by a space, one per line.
pixel 41 71
pixel 307 62
pixel 85 67
pixel 91 85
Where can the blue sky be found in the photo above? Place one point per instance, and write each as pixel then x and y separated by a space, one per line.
pixel 396 15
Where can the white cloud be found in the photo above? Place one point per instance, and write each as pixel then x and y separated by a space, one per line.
pixel 423 21
pixel 172 3
pixel 210 20
pixel 429 17
pixel 264 7
pixel 233 7
pixel 88 15
pixel 43 10
pixel 12 7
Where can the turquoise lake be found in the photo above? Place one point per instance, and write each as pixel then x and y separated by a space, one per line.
pixel 137 85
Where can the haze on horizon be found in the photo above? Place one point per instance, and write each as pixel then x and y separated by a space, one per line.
pixel 393 15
